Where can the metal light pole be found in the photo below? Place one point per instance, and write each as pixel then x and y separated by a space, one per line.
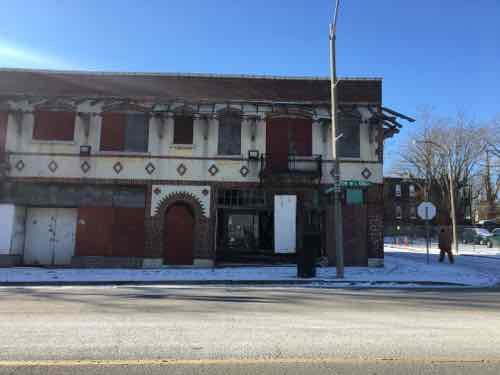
pixel 447 154
pixel 452 199
pixel 339 240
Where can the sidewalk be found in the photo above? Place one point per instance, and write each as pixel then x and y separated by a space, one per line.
pixel 463 249
pixel 401 270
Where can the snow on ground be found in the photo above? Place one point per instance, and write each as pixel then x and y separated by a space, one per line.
pixel 401 266
pixel 463 249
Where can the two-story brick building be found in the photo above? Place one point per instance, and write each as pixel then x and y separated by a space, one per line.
pixel 141 170
pixel 402 195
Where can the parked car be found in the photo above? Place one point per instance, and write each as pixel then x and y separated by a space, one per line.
pixel 488 224
pixel 478 236
pixel 494 239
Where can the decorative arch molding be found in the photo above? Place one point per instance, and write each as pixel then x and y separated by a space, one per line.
pixel 229 111
pixel 181 197
pixel 198 197
pixel 184 110
pixel 55 105
pixel 290 113
pixel 125 106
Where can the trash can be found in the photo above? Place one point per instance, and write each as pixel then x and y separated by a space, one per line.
pixel 306 260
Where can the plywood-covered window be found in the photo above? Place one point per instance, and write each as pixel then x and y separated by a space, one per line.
pixel 411 191
pixel 229 134
pixel 124 132
pixel 398 212
pixel 54 126
pixel 3 130
pixel 183 130
pixel 110 231
pixel 349 146
pixel 413 211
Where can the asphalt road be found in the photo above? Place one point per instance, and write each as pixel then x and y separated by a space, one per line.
pixel 219 330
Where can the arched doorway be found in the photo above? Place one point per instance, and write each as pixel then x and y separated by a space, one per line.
pixel 179 235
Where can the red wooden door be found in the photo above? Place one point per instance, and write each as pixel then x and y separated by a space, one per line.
pixel 301 136
pixel 277 144
pixel 179 235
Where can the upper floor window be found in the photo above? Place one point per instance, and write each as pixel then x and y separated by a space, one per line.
pixel 124 132
pixel 399 212
pixel 397 190
pixel 183 130
pixel 411 190
pixel 349 145
pixel 413 211
pixel 54 125
pixel 229 134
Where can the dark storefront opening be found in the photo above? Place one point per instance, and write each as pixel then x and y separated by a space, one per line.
pixel 245 228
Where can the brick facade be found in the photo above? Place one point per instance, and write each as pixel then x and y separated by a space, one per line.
pixel 363 231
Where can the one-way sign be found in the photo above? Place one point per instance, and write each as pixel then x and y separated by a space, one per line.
pixel 426 211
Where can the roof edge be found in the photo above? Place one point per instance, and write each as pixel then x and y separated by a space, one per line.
pixel 187 75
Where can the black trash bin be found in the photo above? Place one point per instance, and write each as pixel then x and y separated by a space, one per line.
pixel 306 260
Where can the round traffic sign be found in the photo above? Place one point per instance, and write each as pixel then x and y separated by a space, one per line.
pixel 426 211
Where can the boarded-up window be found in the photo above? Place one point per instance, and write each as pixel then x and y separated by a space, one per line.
pixel 183 130
pixel 54 126
pixel 349 145
pixel 411 191
pixel 136 133
pixel 3 130
pixel 110 231
pixel 299 137
pixel 229 134
pixel 113 132
pixel 397 190
pixel 124 132
pixel 413 211
pixel 399 212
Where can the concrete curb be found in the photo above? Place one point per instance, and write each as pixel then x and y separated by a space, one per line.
pixel 308 282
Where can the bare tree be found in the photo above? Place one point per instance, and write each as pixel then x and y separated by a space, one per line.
pixel 494 137
pixel 443 146
pixel 490 182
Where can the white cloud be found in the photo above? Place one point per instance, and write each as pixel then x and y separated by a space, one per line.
pixel 20 57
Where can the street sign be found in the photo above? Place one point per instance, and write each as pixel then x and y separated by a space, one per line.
pixel 350 184
pixel 426 211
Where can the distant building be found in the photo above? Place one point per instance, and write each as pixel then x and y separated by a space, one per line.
pixel 402 197
pixel 487 211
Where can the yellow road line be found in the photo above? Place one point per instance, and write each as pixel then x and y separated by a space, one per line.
pixel 238 361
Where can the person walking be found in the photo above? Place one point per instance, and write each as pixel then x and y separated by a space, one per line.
pixel 445 240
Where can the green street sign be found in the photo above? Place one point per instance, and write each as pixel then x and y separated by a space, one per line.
pixel 350 184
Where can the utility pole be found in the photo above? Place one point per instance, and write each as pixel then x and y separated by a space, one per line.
pixel 452 199
pixel 339 240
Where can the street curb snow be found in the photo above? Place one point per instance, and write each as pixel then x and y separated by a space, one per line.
pixel 310 282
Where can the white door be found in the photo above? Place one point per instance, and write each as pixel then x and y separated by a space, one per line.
pixel 64 243
pixel 39 236
pixel 285 222
pixel 50 236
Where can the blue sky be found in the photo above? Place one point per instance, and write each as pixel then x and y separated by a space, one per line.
pixel 441 54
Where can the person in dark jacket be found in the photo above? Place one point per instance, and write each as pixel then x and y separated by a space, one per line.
pixel 445 241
